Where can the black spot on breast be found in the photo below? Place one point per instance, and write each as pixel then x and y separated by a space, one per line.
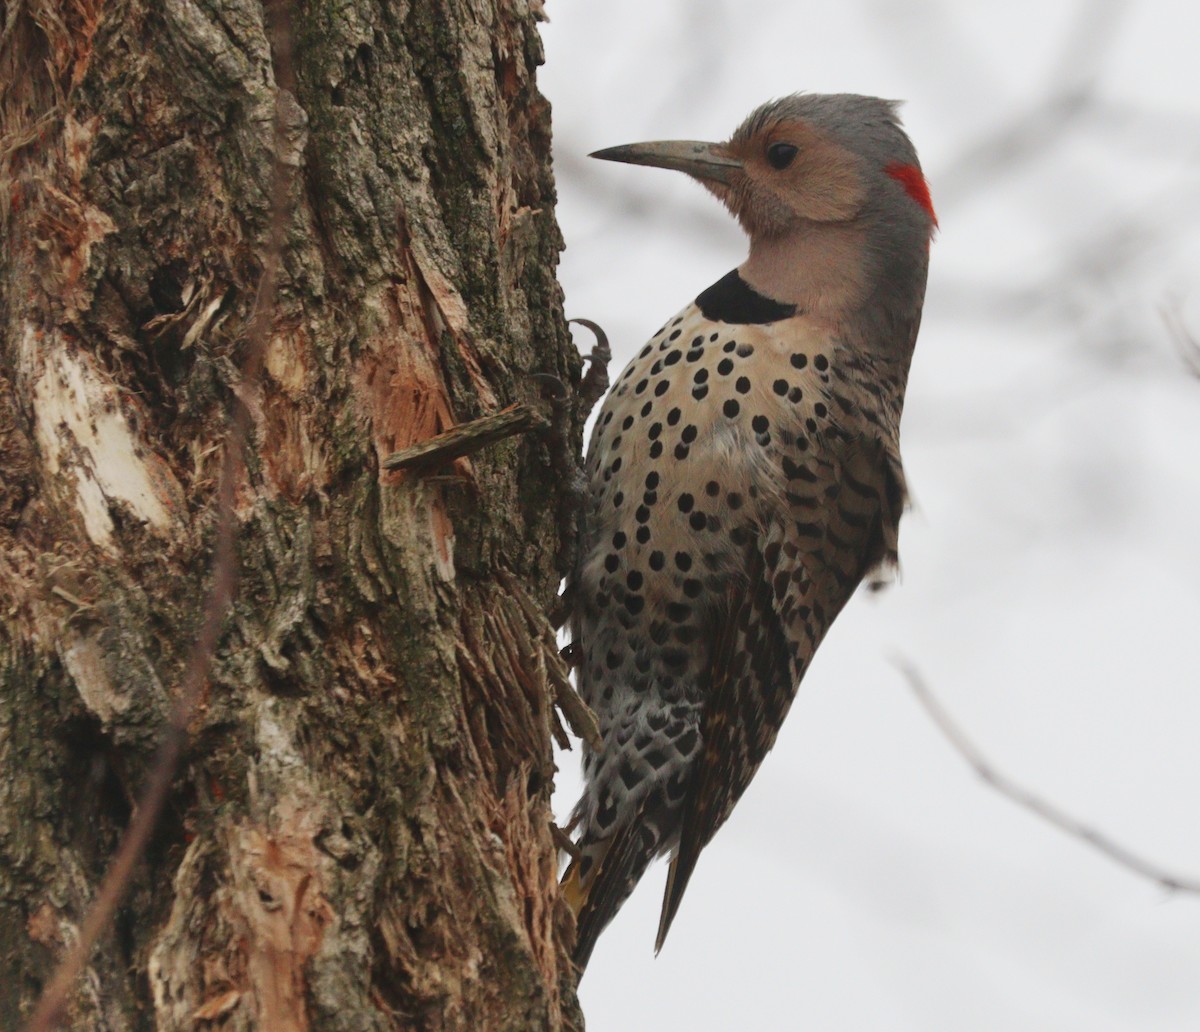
pixel 675 659
pixel 676 787
pixel 606 813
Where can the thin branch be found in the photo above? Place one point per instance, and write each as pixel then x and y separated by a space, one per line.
pixel 1189 347
pixel 1035 804
pixel 50 1009
pixel 467 438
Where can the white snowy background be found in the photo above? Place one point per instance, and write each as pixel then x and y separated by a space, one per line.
pixel 1051 565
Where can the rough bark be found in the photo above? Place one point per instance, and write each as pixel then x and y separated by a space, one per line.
pixel 359 835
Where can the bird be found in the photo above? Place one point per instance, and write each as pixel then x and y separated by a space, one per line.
pixel 744 478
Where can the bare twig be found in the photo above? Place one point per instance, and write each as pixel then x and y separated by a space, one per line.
pixel 49 1011
pixel 564 842
pixel 467 438
pixel 1035 804
pixel 579 715
pixel 1189 347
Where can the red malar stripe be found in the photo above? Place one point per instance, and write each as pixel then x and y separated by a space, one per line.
pixel 909 176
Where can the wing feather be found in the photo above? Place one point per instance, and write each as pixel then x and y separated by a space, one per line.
pixel 800 571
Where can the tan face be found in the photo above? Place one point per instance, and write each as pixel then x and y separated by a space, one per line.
pixel 790 173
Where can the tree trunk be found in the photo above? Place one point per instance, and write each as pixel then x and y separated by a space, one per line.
pixel 359 835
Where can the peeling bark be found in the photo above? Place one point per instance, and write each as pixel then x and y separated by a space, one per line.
pixel 359 837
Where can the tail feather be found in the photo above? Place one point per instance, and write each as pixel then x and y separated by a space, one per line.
pixel 677 880
pixel 597 896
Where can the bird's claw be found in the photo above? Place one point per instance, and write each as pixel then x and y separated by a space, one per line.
pixel 595 382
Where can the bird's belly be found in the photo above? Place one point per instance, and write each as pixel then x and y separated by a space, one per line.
pixel 685 472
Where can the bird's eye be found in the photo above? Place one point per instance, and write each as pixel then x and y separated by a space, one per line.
pixel 780 155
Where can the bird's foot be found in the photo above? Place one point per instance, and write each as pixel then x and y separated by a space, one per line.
pixel 595 382
pixel 569 410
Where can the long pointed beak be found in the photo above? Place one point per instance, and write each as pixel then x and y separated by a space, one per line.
pixel 703 160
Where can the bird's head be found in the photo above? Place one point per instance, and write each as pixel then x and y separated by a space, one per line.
pixel 804 159
pixel 830 192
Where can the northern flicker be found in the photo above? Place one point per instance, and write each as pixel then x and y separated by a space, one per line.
pixel 744 478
